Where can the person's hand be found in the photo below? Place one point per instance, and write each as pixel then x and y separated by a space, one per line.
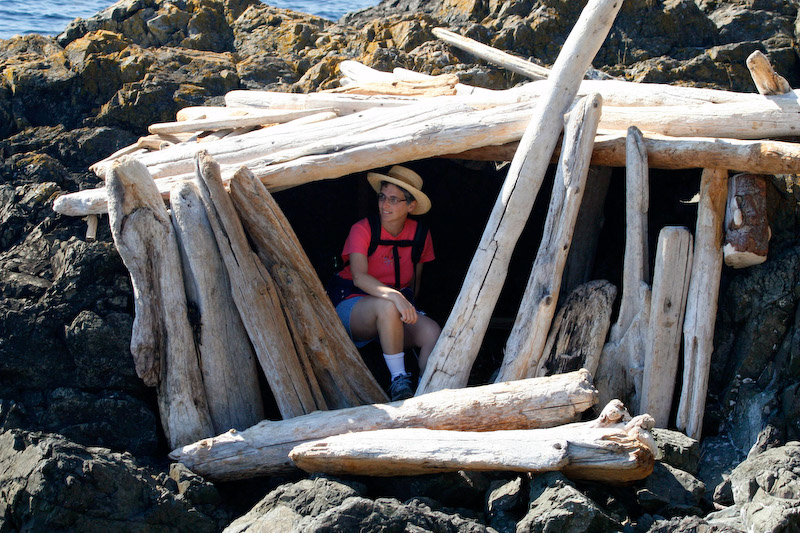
pixel 408 314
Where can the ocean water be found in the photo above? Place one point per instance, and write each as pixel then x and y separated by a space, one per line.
pixel 50 17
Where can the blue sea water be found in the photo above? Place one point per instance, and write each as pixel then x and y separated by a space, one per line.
pixel 50 17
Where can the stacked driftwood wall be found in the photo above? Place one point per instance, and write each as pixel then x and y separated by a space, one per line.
pixel 377 119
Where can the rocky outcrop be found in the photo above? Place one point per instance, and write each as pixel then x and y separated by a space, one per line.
pixel 50 484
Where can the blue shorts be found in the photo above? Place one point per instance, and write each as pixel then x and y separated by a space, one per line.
pixel 344 310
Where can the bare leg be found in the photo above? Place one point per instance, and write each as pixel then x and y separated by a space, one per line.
pixel 373 317
pixel 423 334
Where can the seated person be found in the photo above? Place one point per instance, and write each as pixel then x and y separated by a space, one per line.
pixel 374 293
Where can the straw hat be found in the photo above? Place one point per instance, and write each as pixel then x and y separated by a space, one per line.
pixel 407 179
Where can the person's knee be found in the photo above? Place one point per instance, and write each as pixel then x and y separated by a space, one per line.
pixel 386 311
pixel 430 332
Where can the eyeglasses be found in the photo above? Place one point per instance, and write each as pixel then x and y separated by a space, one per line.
pixel 393 200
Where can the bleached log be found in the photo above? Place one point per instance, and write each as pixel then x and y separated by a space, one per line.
pixel 747 230
pixel 579 330
pixel 344 378
pixel 457 347
pixel 227 361
pixel 493 55
pixel 764 76
pixel 701 302
pixel 285 365
pixel 163 348
pixel 264 448
pixel 610 452
pixel 676 153
pixel 667 306
pixel 525 346
pixel 254 118
pixel 442 85
pixel 91 227
pixel 619 374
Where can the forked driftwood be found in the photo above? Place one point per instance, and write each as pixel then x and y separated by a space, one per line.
pixel 162 344
pixel 667 306
pixel 227 360
pixel 525 345
pixel 342 375
pixel 264 448
pixel 619 374
pixel 458 345
pixel 701 303
pixel 579 330
pixel 612 448
pixel 284 362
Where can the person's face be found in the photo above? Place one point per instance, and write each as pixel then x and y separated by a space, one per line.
pixel 392 203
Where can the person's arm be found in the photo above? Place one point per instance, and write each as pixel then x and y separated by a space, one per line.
pixel 373 287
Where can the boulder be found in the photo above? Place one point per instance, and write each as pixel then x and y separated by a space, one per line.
pixel 677 450
pixel 557 505
pixel 670 492
pixel 51 484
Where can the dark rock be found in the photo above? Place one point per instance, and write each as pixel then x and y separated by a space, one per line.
pixel 193 487
pixel 766 490
pixel 691 524
pixel 285 507
pixel 669 492
pixel 51 484
pixel 505 502
pixel 718 457
pixel 457 489
pixel 677 450
pixel 556 505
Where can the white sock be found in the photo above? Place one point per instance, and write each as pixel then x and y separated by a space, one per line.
pixel 396 363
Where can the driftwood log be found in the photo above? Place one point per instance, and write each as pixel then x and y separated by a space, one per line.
pixel 701 303
pixel 163 348
pixel 525 345
pixel 252 118
pixel 227 360
pixel 263 449
pixel 768 82
pixel 461 337
pixel 619 373
pixel 667 306
pixel 284 362
pixel 747 230
pixel 612 448
pixel 343 377
pixel 579 330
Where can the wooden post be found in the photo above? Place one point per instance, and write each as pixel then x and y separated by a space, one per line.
pixel 579 330
pixel 701 303
pixel 285 365
pixel 619 374
pixel 344 378
pixel 458 345
pixel 667 306
pixel 162 345
pixel 525 345
pixel 227 360
pixel 601 450
pixel 747 230
pixel 264 448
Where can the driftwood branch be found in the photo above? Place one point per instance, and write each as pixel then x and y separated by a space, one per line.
pixel 667 306
pixel 606 450
pixel 458 345
pixel 227 360
pixel 767 81
pixel 619 372
pixel 525 345
pixel 285 366
pixel 701 303
pixel 263 449
pixel 747 231
pixel 162 344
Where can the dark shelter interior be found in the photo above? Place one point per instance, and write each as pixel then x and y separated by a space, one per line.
pixel 463 194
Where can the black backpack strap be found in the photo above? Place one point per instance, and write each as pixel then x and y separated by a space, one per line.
pixel 374 233
pixel 419 241
pixel 417 244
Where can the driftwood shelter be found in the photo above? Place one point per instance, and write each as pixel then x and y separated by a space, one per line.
pixel 226 252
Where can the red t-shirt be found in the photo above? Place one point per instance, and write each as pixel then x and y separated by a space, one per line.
pixel 380 265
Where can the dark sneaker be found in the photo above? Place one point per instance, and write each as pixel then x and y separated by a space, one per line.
pixel 401 388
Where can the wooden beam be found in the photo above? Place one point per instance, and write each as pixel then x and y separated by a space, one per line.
pixel 701 303
pixel 599 450
pixel 263 449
